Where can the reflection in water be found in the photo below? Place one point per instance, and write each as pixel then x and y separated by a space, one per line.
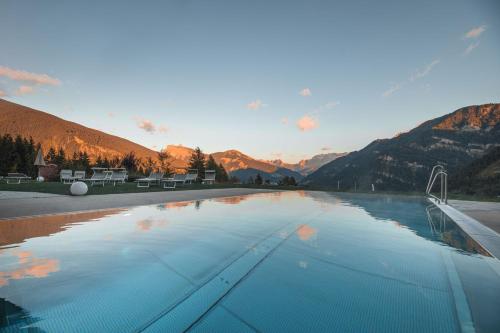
pixel 444 229
pixel 16 231
pixel 406 211
pixel 175 205
pixel 27 265
pixel 149 223
pixel 14 318
pixel 305 232
pixel 231 200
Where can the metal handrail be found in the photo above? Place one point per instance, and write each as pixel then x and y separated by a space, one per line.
pixel 428 189
pixel 441 171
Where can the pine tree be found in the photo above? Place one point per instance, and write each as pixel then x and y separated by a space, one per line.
pixel 222 174
pixel 164 159
pixel 211 164
pixel 131 162
pixel 258 179
pixel 150 165
pixel 51 155
pixel 197 161
pixel 60 158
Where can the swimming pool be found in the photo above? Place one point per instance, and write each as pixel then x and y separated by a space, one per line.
pixel 284 261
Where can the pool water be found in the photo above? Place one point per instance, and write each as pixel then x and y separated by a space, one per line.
pixel 274 262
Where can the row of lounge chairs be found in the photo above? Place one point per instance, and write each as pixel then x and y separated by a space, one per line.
pixel 100 176
pixel 156 178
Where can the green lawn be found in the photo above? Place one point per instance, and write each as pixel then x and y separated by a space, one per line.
pixel 58 188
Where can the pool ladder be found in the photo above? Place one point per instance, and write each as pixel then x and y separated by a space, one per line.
pixel 438 171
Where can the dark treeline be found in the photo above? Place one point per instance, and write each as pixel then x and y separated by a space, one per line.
pixel 199 162
pixel 18 155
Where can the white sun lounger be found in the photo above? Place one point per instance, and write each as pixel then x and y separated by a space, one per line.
pixel 179 178
pixel 99 176
pixel 66 176
pixel 16 178
pixel 191 176
pixel 79 175
pixel 168 183
pixel 154 178
pixel 118 175
pixel 209 177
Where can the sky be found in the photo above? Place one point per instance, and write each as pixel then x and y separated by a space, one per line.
pixel 273 79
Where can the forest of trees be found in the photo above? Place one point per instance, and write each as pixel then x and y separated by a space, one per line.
pixel 199 162
pixel 18 154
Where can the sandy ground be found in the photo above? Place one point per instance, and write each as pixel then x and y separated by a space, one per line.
pixel 18 204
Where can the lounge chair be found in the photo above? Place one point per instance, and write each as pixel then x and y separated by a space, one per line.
pixel 168 183
pixel 179 178
pixel 191 176
pixel 209 177
pixel 17 178
pixel 118 175
pixel 99 176
pixel 79 176
pixel 66 176
pixel 154 178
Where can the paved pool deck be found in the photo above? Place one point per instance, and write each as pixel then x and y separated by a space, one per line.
pixel 488 213
pixel 23 204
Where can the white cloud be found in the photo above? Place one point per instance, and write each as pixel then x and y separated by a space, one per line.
pixel 392 90
pixel 255 105
pixel 306 92
pixel 146 125
pixel 418 74
pixel 329 105
pixel 471 47
pixel 475 32
pixel 307 123
pixel 425 71
pixel 24 90
pixel 20 75
pixel 162 129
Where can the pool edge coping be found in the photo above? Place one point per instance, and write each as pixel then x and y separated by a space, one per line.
pixel 469 225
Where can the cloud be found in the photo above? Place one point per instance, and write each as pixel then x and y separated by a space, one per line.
pixel 418 74
pixel 475 32
pixel 306 92
pixel 427 69
pixel 20 75
pixel 255 105
pixel 307 123
pixel 146 125
pixel 471 47
pixel 392 90
pixel 326 149
pixel 24 90
pixel 162 129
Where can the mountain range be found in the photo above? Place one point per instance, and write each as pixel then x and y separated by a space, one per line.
pixel 404 162
pixel 52 131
